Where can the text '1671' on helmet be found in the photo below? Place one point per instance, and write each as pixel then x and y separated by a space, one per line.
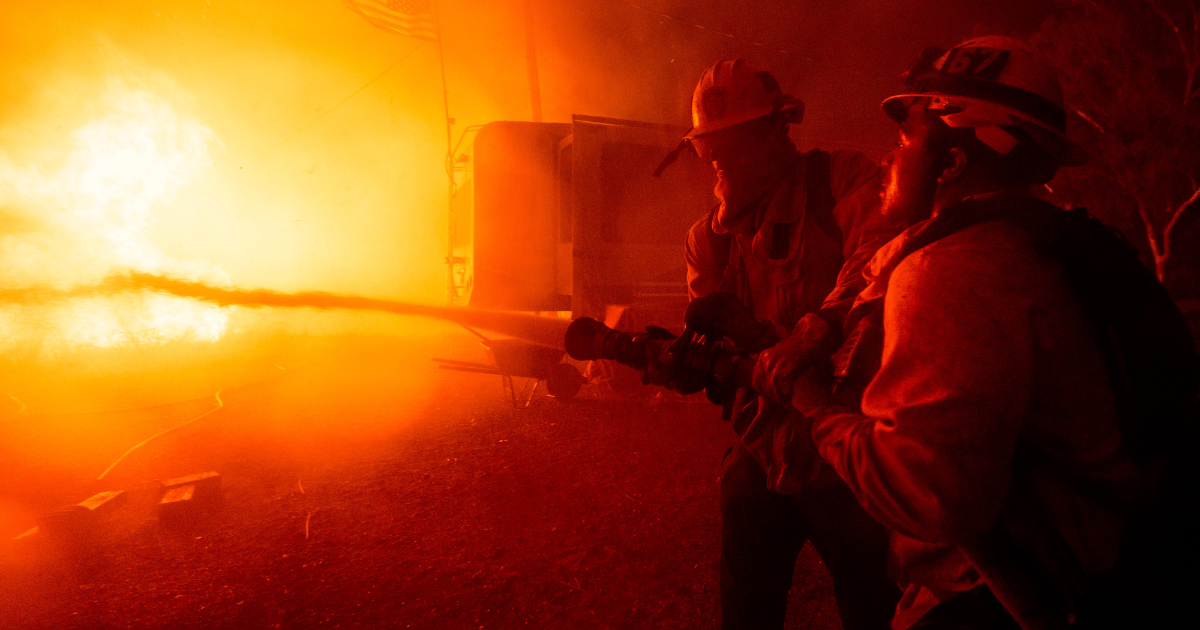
pixel 732 92
pixel 989 83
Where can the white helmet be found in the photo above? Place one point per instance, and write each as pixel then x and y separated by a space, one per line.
pixel 989 83
pixel 733 92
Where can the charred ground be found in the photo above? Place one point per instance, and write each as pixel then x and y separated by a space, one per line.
pixel 353 500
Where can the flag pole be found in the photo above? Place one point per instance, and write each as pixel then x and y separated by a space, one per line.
pixel 531 68
pixel 450 289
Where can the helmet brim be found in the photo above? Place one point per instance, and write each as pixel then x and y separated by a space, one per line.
pixel 725 123
pixel 1064 150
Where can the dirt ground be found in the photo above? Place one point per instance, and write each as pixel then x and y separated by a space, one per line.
pixel 364 488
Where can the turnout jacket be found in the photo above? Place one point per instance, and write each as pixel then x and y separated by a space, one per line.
pixel 820 226
pixel 986 355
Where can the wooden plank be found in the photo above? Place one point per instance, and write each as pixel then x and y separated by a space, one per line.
pixel 75 520
pixel 102 505
pixel 178 507
pixel 207 485
pixel 179 494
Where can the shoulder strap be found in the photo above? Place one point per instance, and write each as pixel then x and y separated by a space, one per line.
pixel 959 218
pixel 857 360
pixel 1147 343
pixel 819 193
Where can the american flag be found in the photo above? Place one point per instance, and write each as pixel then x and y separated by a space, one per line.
pixel 411 18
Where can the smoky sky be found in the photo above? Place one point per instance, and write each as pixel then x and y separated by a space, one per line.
pixel 296 147
pixel 327 167
pixel 641 59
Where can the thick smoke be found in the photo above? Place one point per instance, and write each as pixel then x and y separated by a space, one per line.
pixel 309 145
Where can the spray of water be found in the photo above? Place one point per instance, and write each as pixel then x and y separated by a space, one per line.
pixel 538 329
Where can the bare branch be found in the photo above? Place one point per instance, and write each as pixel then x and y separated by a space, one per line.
pixel 1187 54
pixel 1195 27
pixel 1195 51
pixel 1126 180
pixel 1149 225
pixel 1090 120
pixel 1189 58
pixel 1179 211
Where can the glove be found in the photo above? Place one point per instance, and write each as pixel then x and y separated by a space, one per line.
pixel 778 367
pixel 812 391
pixel 674 369
pixel 722 315
pixel 656 372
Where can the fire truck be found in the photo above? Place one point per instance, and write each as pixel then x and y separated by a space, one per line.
pixel 569 218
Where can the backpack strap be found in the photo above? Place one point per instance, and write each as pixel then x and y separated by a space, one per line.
pixel 818 209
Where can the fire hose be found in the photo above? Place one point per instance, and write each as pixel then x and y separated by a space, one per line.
pixel 707 356
pixel 547 331
pixel 715 353
pixel 688 363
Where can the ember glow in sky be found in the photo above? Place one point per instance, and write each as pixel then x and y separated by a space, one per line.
pixel 89 214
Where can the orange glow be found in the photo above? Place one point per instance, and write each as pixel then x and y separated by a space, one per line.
pixel 289 147
pixel 121 171
pixel 217 143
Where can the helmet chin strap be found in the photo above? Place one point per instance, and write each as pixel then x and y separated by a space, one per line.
pixel 670 158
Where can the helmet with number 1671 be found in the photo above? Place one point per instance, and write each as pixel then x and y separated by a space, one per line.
pixel 996 85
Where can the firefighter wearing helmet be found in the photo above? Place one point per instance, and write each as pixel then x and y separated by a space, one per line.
pixel 975 411
pixel 786 243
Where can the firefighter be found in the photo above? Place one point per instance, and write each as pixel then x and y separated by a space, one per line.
pixel 988 439
pixel 788 238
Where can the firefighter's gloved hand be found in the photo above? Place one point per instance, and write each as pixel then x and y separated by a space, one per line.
pixel 813 391
pixel 722 315
pixel 656 371
pixel 674 369
pixel 778 367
